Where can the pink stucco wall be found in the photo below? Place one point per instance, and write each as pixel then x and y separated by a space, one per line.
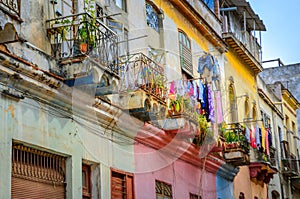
pixel 184 178
pixel 250 188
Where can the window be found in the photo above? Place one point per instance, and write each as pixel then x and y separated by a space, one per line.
pixel 241 196
pixel 86 182
pixel 152 17
pixel 121 185
pixel 254 114
pixel 287 122
pixel 247 110
pixel 293 127
pixel 232 104
pixel 121 4
pixel 37 171
pixel 163 190
pixel 65 7
pixel 275 194
pixel 122 33
pixel 280 134
pixel 185 53
pixel 195 196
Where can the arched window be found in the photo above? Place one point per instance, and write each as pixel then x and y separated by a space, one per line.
pixel 152 16
pixel 247 109
pixel 254 113
pixel 275 194
pixel 232 104
pixel 104 81
pixel 185 52
pixel 242 195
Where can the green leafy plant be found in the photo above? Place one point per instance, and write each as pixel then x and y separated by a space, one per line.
pixel 176 104
pixel 88 23
pixel 159 81
pixel 203 124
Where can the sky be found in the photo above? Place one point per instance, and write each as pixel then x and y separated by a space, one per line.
pixel 282 38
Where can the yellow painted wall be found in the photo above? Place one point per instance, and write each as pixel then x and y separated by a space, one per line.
pixel 291 114
pixel 244 83
pixel 182 23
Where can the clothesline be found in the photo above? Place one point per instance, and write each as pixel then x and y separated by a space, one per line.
pixel 197 78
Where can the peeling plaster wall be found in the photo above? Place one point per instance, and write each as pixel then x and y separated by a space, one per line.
pixel 244 83
pixel 32 122
pixel 276 122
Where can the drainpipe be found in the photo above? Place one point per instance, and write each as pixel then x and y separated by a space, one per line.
pixel 217 11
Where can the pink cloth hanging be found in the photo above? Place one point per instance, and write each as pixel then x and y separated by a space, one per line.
pixel 252 137
pixel 267 142
pixel 172 88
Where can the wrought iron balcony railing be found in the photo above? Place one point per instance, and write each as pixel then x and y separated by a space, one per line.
pixel 234 136
pixel 81 34
pixel 290 166
pixel 11 7
pixel 137 71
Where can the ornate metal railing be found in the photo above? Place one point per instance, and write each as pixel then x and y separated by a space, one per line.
pixel 290 164
pixel 11 6
pixel 234 136
pixel 137 71
pixel 37 165
pixel 81 34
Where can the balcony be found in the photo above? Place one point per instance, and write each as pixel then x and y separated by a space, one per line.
pixel 238 26
pixel 235 147
pixel 289 167
pixel 183 119
pixel 12 8
pixel 142 89
pixel 246 46
pixel 74 37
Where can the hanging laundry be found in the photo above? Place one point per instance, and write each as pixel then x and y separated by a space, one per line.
pixel 270 137
pixel 257 136
pixel 211 64
pixel 247 134
pixel 252 141
pixel 210 95
pixel 204 97
pixel 172 88
pixel 267 142
pixel 216 66
pixel 201 91
pixel 195 89
pixel 179 87
pixel 263 136
pixel 205 61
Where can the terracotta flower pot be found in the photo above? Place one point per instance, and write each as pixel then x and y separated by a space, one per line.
pixel 83 48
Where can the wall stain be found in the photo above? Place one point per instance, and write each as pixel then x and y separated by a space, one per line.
pixel 11 108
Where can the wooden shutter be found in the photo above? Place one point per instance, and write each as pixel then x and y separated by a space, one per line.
pixel 121 185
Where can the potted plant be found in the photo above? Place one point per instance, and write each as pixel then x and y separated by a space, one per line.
pixel 159 81
pixel 87 28
pixel 236 148
pixel 175 105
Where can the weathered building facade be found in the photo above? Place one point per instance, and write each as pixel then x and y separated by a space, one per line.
pixel 135 99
